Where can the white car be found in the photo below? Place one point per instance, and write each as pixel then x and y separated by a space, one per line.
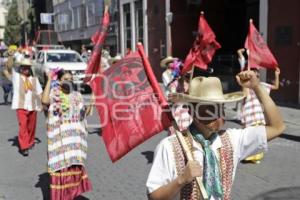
pixel 59 58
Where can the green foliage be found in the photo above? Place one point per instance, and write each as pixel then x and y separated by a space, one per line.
pixel 31 26
pixel 12 32
pixel 107 2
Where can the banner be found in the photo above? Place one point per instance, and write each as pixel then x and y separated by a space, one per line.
pixel 129 102
pixel 259 52
pixel 203 48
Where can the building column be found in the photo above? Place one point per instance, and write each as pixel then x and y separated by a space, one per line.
pixel 168 29
pixel 133 25
pixel 122 29
pixel 263 28
pixel 145 8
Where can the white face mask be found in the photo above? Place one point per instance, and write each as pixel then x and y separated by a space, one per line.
pixel 182 116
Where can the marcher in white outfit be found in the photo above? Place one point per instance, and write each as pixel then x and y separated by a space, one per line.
pixel 216 152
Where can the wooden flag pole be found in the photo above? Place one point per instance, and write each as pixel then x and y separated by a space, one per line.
pixel 189 157
pixel 169 18
pixel 248 66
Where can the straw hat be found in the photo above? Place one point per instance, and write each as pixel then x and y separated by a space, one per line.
pixel 12 49
pixel 25 62
pixel 207 89
pixel 166 61
pixel 114 59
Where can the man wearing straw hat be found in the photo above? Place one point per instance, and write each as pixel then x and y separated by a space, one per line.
pixel 251 112
pixel 26 101
pixel 211 154
pixel 175 81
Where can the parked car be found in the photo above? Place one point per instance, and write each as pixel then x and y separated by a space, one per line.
pixel 69 60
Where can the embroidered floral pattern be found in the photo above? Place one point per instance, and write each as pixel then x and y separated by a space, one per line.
pixel 66 130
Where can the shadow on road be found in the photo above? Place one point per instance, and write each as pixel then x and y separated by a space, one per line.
pixel 5 104
pixel 290 137
pixel 96 131
pixel 81 198
pixel 15 141
pixel 291 193
pixel 44 185
pixel 148 155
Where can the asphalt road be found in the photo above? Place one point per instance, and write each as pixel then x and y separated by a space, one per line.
pixel 25 178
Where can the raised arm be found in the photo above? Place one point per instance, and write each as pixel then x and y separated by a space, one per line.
pixel 46 93
pixel 275 125
pixel 275 86
pixel 240 53
pixel 241 58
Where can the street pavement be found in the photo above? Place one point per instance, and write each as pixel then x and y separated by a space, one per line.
pixel 25 178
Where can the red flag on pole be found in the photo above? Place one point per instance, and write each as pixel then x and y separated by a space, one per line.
pixel 203 48
pixel 259 52
pixel 98 40
pixel 129 102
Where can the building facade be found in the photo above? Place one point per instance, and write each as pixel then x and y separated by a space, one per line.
pixel 284 40
pixel 77 20
pixel 145 21
pixel 3 16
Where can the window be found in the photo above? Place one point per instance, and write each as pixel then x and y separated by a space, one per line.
pixel 76 17
pixel 91 14
pixel 79 17
pixel 69 21
pixel 82 16
pixel 56 24
pixel 64 21
pixel 132 24
pixel 139 22
pixel 127 26
pixel 63 57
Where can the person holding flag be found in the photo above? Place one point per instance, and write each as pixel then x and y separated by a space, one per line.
pixel 129 99
pixel 216 152
pixel 259 55
pixel 251 102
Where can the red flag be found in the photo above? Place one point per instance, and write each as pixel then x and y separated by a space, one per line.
pixel 98 40
pixel 259 52
pixel 203 48
pixel 129 102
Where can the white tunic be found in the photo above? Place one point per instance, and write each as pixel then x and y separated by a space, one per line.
pixel 245 142
pixel 28 96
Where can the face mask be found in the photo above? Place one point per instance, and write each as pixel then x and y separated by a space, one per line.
pixel 67 86
pixel 25 71
pixel 182 117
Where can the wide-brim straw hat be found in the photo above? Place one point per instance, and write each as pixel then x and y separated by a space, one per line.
pixel 164 62
pixel 207 89
pixel 25 62
pixel 114 59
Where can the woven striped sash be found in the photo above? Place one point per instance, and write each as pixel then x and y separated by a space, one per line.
pixel 191 191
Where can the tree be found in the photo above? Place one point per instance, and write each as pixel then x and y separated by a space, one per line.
pixel 12 32
pixel 6 4
pixel 31 26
